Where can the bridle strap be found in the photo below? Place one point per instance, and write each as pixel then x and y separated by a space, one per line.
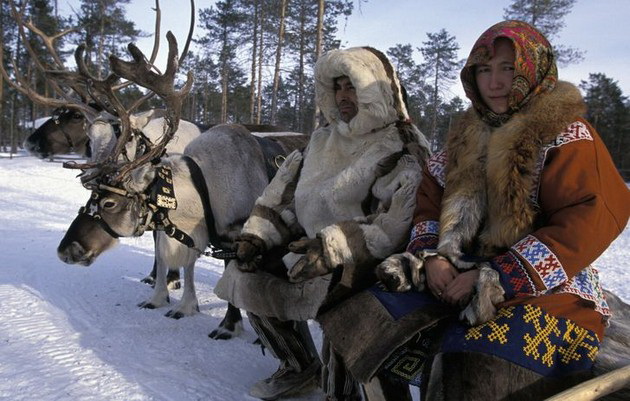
pixel 63 131
pixel 217 250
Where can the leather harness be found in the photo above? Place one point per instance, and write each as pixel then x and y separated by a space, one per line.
pixel 274 155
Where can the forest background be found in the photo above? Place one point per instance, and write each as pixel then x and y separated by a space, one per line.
pixel 252 60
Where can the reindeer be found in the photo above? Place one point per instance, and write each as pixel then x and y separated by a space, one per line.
pixel 64 132
pixel 216 180
pixel 88 125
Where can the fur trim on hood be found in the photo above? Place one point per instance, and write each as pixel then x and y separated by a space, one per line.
pixel 491 173
pixel 379 93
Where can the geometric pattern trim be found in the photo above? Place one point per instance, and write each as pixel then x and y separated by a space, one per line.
pixel 513 275
pixel 425 227
pixel 437 167
pixel 530 337
pixel 586 285
pixel 407 362
pixel 542 260
pixel 545 263
pixel 424 236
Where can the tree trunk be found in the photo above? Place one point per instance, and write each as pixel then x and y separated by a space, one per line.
pixel 2 119
pixel 224 90
pixel 101 43
pixel 252 88
pixel 318 51
pixel 276 73
pixel 300 91
pixel 435 109
pixel 224 75
pixel 260 63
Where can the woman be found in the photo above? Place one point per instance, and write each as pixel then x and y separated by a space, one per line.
pixel 522 200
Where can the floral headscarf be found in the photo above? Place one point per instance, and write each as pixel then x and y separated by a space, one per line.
pixel 535 68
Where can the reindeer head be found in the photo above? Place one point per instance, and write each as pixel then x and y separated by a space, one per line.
pixel 122 202
pixel 124 210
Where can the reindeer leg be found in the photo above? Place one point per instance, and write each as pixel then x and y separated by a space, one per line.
pixel 189 305
pixel 160 290
pixel 172 279
pixel 231 325
pixel 150 279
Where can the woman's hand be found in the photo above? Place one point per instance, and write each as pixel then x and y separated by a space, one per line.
pixel 459 291
pixel 440 273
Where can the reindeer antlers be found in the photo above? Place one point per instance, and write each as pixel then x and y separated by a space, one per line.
pixel 139 71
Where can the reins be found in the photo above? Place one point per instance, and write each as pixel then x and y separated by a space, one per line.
pixel 160 198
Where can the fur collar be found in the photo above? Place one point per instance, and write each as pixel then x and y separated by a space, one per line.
pixel 491 173
pixel 378 90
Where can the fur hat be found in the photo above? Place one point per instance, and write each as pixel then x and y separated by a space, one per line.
pixel 379 93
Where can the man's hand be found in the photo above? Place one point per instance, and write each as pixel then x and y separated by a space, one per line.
pixel 440 273
pixel 460 290
pixel 312 264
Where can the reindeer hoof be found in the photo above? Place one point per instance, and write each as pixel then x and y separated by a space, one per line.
pixel 148 280
pixel 174 315
pixel 146 305
pixel 174 285
pixel 227 331
pixel 221 334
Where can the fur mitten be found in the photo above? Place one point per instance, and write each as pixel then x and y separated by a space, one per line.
pixel 249 248
pixel 312 264
pixel 401 272
pixel 488 293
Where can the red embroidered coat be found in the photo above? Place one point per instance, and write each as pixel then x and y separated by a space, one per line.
pixel 538 197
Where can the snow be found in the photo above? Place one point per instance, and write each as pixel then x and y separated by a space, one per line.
pixel 75 333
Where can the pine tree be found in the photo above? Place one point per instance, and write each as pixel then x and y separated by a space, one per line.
pixel 223 23
pixel 105 30
pixel 441 66
pixel 276 72
pixel 547 16
pixel 15 107
pixel 412 78
pixel 609 113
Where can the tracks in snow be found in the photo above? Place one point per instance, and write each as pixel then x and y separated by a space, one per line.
pixel 63 367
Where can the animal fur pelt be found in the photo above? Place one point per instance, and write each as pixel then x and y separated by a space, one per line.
pixel 365 334
pixel 292 301
pixel 614 351
pixel 491 173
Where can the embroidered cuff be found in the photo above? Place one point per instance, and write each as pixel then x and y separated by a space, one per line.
pixel 424 237
pixel 513 276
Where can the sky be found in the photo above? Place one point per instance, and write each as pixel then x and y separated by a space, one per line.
pixel 598 27
pixel 74 333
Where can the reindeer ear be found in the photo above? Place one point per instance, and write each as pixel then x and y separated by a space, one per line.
pixel 140 120
pixel 140 178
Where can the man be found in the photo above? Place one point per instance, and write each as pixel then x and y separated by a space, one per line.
pixel 346 98
pixel 340 207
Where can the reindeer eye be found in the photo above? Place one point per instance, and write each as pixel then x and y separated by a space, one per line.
pixel 109 204
pixel 77 116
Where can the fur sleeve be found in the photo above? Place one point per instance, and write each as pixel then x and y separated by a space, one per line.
pixel 364 241
pixel 273 217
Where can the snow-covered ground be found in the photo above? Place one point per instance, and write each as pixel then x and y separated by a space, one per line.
pixel 75 333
